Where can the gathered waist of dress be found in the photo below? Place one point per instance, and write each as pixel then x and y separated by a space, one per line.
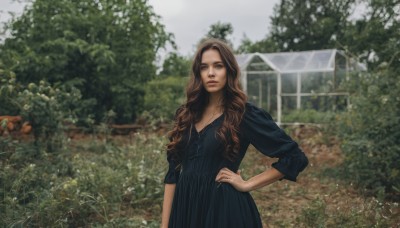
pixel 196 174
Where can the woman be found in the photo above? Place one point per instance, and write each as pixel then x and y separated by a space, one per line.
pixel 212 132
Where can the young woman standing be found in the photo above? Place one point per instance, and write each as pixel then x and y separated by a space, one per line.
pixel 212 132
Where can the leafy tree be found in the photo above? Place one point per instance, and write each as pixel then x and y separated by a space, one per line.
pixel 220 31
pixel 163 97
pixel 310 25
pixel 375 37
pixel 266 45
pixel 176 65
pixel 8 90
pixel 371 127
pixel 108 46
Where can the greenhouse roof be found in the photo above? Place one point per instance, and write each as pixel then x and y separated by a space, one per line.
pixel 290 62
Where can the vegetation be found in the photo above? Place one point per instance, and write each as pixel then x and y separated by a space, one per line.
pixel 163 97
pixel 106 47
pixel 118 183
pixel 370 134
pixel 309 116
pixel 61 68
pixel 92 183
pixel 176 65
pixel 310 25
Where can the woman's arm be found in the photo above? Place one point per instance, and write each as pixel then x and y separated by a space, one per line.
pixel 169 191
pixel 265 178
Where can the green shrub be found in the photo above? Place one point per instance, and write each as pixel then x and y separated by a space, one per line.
pixel 91 184
pixel 308 116
pixel 48 108
pixel 8 90
pixel 370 132
pixel 315 214
pixel 163 97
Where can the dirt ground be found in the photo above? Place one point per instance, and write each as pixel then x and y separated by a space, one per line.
pixel 314 195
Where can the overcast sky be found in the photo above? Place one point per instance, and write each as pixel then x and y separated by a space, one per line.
pixel 189 20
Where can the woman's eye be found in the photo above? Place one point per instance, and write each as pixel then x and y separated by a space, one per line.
pixel 203 68
pixel 219 66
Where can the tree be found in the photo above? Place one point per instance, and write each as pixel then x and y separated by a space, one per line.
pixel 375 37
pixel 266 45
pixel 310 25
pixel 107 47
pixel 220 31
pixel 176 65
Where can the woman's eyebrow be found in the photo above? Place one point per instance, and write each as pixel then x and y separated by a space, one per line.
pixel 216 62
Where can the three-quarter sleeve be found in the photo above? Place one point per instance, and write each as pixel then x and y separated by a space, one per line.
pixel 267 137
pixel 172 175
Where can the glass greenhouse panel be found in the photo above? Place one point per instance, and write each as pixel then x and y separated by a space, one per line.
pixel 319 82
pixel 258 65
pixel 279 60
pixel 298 61
pixel 340 80
pixel 324 103
pixel 321 60
pixel 289 103
pixel 243 60
pixel 261 91
pixel 289 83
pixel 340 73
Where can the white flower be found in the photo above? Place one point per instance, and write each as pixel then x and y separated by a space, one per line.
pixel 46 98
pixel 26 107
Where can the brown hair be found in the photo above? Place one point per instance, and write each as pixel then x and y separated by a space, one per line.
pixel 234 101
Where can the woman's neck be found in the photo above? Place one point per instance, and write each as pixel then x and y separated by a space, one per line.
pixel 215 100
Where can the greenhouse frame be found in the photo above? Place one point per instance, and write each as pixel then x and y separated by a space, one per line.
pixel 287 81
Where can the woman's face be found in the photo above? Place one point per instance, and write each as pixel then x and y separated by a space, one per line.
pixel 212 71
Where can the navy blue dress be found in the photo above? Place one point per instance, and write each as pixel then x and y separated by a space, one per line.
pixel 201 202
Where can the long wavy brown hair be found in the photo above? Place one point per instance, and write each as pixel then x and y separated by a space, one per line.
pixel 197 98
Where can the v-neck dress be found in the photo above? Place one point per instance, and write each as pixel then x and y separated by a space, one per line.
pixel 201 202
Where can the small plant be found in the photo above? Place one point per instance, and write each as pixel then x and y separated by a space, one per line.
pixel 48 108
pixel 315 214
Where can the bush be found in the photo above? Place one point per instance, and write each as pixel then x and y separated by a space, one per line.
pixel 370 131
pixel 163 97
pixel 48 108
pixel 8 90
pixel 308 116
pixel 90 184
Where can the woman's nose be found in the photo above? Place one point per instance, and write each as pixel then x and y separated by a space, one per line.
pixel 211 72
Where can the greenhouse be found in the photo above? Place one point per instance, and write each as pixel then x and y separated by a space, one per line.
pixel 288 81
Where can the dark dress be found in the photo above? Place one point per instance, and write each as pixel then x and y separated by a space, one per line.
pixel 201 202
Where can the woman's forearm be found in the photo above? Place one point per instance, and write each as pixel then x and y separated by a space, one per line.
pixel 169 191
pixel 265 178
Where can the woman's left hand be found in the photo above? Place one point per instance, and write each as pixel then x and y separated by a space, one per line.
pixel 227 176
